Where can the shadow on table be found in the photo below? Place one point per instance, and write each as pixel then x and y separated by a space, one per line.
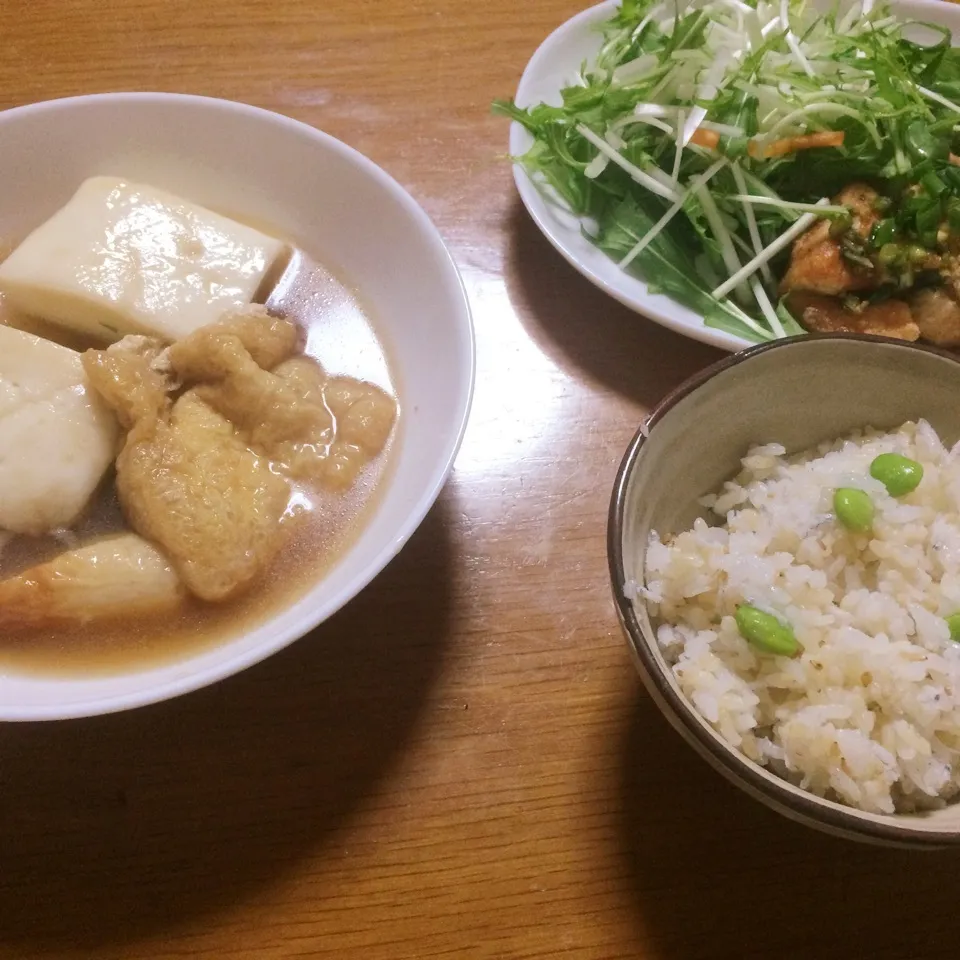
pixel 580 326
pixel 716 875
pixel 115 826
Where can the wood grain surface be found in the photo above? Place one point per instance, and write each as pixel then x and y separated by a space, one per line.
pixel 462 763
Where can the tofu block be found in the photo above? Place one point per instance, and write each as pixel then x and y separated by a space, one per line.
pixel 124 258
pixel 57 438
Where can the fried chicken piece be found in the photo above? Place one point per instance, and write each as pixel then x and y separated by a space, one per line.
pixel 950 269
pixel 861 201
pixel 817 263
pixel 119 576
pixel 937 314
pixel 821 314
pixel 188 481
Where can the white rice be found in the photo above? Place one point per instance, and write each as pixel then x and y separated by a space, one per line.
pixel 869 712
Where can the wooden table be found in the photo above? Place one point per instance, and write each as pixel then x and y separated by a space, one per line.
pixel 462 763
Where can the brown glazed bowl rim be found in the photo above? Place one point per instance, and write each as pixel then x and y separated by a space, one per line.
pixel 782 796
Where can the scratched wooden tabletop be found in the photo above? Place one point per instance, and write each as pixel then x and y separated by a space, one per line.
pixel 462 763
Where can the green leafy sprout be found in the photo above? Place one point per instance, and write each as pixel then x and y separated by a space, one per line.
pixel 667 145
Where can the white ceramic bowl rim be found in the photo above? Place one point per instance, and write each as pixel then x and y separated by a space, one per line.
pixel 735 766
pixel 229 665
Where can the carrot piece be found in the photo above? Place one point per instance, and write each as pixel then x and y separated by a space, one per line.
pixel 809 141
pixel 779 148
pixel 705 138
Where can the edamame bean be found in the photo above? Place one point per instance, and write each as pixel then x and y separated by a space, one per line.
pixel 953 622
pixel 854 509
pixel 890 254
pixel 765 631
pixel 899 474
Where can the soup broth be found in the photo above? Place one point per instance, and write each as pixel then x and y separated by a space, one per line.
pixel 341 337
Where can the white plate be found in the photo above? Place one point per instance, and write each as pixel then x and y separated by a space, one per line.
pixel 332 202
pixel 555 65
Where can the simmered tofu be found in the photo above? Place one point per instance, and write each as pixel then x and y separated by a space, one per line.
pixel 125 258
pixel 57 438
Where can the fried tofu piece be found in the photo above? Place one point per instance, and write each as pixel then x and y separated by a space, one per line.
pixel 311 427
pixel 821 314
pixel 305 377
pixel 188 481
pixel 365 414
pixel 286 412
pixel 230 364
pixel 361 420
pixel 192 484
pixel 207 476
pixel 268 341
pixel 126 377
pixel 817 263
pixel 306 456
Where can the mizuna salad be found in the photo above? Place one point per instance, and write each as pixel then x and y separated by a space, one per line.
pixel 772 167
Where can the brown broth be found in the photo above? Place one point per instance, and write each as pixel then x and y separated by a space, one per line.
pixel 341 336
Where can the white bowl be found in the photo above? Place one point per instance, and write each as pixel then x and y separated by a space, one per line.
pixel 556 64
pixel 343 209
